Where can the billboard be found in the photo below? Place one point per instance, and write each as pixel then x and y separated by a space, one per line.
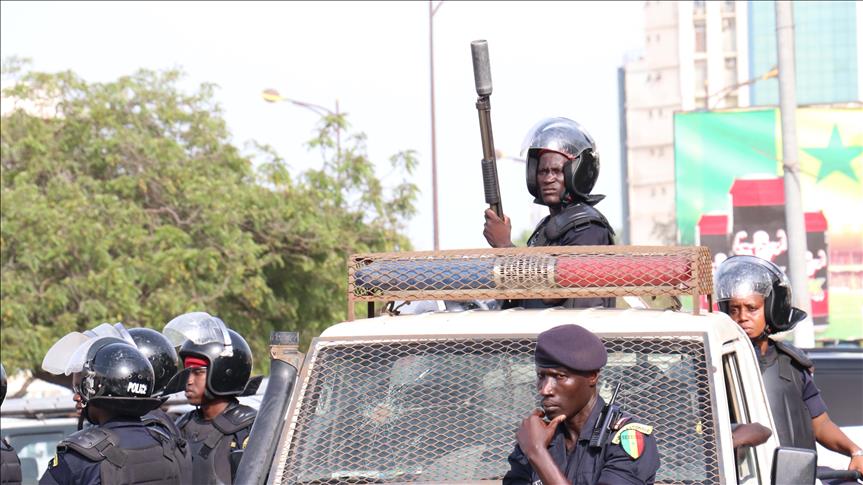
pixel 730 197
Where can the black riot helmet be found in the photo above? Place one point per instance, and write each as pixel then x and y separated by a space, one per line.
pixel 571 140
pixel 228 372
pixel 207 340
pixel 743 275
pixel 161 354
pixel 116 376
pixel 3 383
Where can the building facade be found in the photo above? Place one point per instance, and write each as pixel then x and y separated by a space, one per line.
pixel 717 55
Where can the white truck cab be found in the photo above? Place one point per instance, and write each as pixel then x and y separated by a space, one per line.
pixel 437 397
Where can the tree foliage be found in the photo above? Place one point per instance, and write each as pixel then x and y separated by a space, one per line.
pixel 126 201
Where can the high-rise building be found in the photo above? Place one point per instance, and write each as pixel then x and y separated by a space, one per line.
pixel 691 57
pixel 720 55
pixel 827 52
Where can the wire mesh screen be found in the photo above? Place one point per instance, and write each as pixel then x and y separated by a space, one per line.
pixel 521 273
pixel 447 410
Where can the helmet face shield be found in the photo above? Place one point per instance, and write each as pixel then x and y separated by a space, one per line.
pixel 739 279
pixel 57 358
pixel 200 328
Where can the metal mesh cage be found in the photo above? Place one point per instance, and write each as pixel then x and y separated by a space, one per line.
pixel 522 273
pixel 437 410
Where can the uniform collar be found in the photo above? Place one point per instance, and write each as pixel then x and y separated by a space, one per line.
pixel 586 430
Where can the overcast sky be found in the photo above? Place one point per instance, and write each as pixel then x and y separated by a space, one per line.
pixel 547 59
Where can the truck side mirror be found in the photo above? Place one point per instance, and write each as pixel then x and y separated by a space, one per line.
pixel 793 466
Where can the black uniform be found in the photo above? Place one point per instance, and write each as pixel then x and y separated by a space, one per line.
pixel 586 465
pixel 794 400
pixel 578 224
pixel 10 465
pixel 123 450
pixel 216 445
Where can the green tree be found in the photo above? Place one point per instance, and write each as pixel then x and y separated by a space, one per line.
pixel 126 201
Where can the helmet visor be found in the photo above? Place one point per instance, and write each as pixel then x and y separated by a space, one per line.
pixel 79 356
pixel 199 327
pixel 559 135
pixel 740 278
pixel 108 330
pixel 57 357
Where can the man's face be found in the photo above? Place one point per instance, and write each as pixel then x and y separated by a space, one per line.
pixel 564 391
pixel 196 384
pixel 549 177
pixel 748 312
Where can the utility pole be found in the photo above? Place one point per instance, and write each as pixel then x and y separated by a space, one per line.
pixel 433 10
pixel 804 334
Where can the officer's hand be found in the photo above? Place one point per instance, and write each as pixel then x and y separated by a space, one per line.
pixel 750 434
pixel 534 435
pixel 856 464
pixel 497 231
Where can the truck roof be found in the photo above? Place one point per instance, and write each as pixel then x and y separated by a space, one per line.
pixel 530 322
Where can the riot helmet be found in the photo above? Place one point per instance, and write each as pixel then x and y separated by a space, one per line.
pixel 570 139
pixel 3 383
pixel 161 354
pixel 227 355
pixel 743 275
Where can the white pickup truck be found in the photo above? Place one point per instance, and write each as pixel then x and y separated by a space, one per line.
pixel 437 397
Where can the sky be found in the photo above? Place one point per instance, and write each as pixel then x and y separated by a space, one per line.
pixel 547 59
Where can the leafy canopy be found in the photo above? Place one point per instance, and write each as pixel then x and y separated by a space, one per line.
pixel 126 201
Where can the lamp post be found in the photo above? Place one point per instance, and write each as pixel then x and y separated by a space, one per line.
pixel 272 96
pixel 772 73
pixel 433 10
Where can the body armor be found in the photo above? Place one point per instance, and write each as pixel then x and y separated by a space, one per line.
pixel 161 420
pixel 783 382
pixel 10 465
pixel 574 217
pixel 216 446
pixel 157 464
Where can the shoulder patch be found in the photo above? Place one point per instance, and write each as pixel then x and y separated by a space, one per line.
pixel 631 438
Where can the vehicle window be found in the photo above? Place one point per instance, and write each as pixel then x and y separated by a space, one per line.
pixel 838 379
pixel 747 461
pixel 38 446
pixel 447 411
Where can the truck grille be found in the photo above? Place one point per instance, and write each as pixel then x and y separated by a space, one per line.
pixel 433 410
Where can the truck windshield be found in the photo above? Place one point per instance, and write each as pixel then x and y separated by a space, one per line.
pixel 447 410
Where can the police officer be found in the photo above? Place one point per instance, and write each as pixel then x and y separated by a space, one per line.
pixel 10 465
pixel 562 168
pixel 163 357
pixel 218 364
pixel 554 444
pixel 756 294
pixel 115 383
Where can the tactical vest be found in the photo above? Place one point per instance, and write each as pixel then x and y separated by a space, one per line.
pixel 160 419
pixel 576 217
pixel 550 230
pixel 10 465
pixel 217 445
pixel 783 382
pixel 157 464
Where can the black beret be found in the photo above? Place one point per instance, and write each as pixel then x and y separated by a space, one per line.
pixel 572 347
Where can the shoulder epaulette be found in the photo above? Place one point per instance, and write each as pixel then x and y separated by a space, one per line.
pixel 235 419
pixel 576 216
pixel 797 355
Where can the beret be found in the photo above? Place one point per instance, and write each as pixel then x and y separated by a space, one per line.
pixel 570 346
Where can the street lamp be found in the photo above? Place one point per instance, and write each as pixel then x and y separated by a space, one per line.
pixel 273 96
pixel 772 73
pixel 433 10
